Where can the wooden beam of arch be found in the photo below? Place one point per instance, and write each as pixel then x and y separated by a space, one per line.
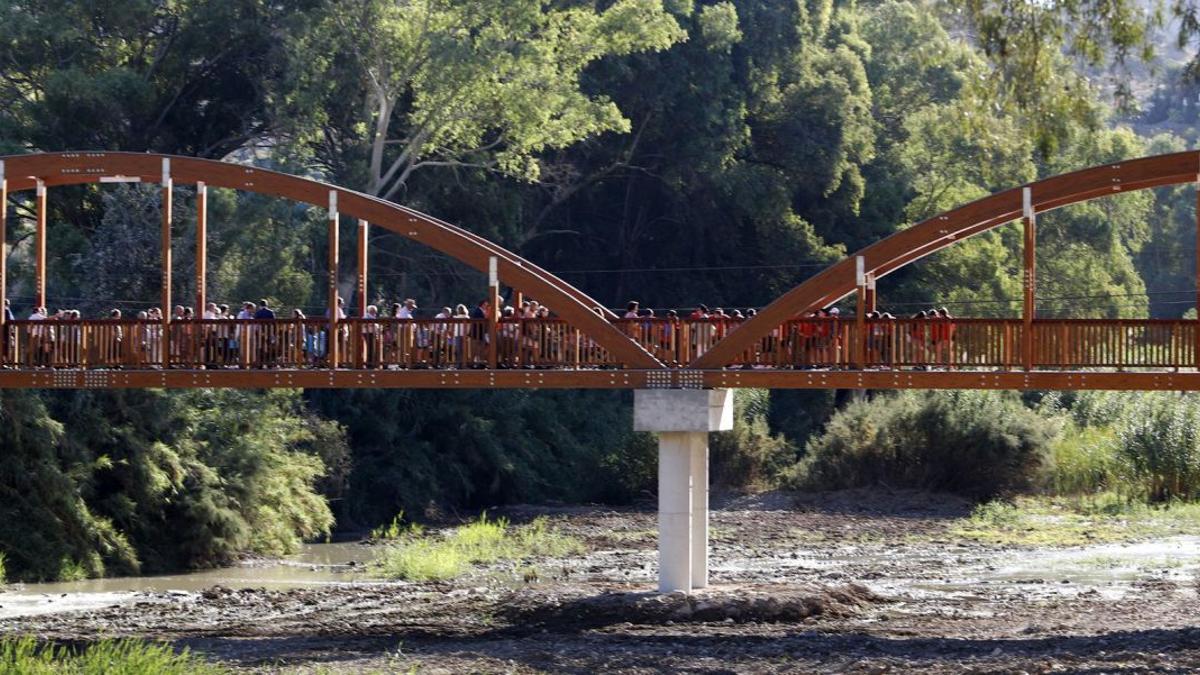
pixel 571 304
pixel 946 229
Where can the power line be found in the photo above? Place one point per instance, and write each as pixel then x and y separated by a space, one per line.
pixel 1063 298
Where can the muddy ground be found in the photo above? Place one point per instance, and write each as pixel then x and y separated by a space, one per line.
pixel 846 582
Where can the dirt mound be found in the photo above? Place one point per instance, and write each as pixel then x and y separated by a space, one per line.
pixel 737 605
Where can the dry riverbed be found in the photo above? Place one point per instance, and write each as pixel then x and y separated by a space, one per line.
pixel 845 582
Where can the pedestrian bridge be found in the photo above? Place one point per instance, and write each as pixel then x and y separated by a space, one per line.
pixel 584 345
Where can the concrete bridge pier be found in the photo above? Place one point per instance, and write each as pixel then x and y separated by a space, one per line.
pixel 682 418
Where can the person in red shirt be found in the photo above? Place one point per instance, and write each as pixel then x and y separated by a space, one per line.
pixel 701 329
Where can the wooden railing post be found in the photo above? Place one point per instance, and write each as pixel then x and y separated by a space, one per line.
pixel 201 248
pixel 860 321
pixel 331 342
pixel 362 268
pixel 39 259
pixel 1030 278
pixel 1122 352
pixel 493 315
pixel 167 185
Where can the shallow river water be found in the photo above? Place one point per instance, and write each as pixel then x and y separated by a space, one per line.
pixel 314 565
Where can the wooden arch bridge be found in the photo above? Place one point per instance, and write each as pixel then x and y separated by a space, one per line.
pixel 584 345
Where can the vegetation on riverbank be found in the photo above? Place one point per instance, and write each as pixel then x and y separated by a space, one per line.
pixel 1142 448
pixel 421 556
pixel 1074 521
pixel 978 444
pixel 26 656
pixel 145 481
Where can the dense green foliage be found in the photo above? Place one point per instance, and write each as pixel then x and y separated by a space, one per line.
pixel 416 449
pixel 1138 447
pixel 1144 447
pixel 978 444
pixel 750 456
pixel 152 481
pixel 673 151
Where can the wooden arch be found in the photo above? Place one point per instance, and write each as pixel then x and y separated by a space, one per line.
pixel 23 172
pixel 943 230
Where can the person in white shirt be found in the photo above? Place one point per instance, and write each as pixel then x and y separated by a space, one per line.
pixel 370 336
pixel 406 311
pixel 38 342
pixel 211 342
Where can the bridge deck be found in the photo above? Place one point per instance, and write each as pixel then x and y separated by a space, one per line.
pixel 420 353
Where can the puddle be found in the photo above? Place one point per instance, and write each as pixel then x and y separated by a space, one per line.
pixel 1112 570
pixel 314 565
pixel 1174 559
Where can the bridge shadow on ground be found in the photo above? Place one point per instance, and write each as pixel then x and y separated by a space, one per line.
pixel 713 648
pixel 880 501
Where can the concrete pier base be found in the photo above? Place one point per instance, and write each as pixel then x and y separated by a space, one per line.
pixel 682 418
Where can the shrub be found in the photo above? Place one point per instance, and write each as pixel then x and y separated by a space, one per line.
pixel 1160 439
pixel 1086 461
pixel 750 456
pixel 1143 446
pixel 977 444
pixel 129 481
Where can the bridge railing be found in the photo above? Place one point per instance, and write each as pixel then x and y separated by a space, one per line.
pixel 676 342
pixel 552 343
pixel 467 343
pixel 959 343
pixel 102 343
pixel 1115 343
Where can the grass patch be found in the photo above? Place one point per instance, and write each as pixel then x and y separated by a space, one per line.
pixel 1066 521
pixel 124 657
pixel 420 557
pixel 397 529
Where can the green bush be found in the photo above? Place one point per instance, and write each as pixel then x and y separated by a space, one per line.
pixel 1144 446
pixel 1160 440
pixel 750 456
pixel 121 482
pixel 24 656
pixel 1086 461
pixel 977 444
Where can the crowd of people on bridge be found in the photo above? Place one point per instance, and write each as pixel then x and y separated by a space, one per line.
pixel 256 335
pixel 527 335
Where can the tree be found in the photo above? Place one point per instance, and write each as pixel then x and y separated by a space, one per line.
pixel 487 84
pixel 1025 40
pixel 189 77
